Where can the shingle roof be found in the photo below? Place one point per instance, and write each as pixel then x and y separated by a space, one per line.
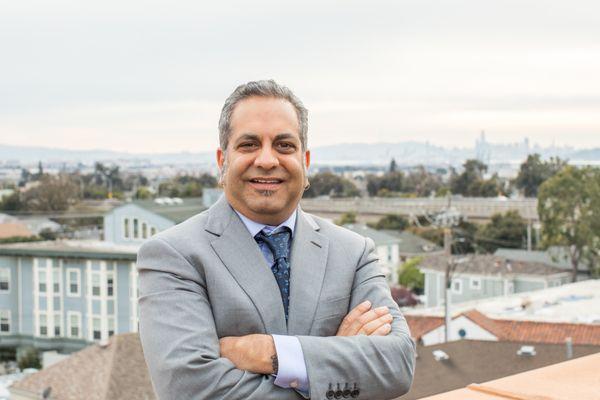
pixel 413 244
pixel 515 330
pixel 480 361
pixel 487 264
pixel 379 237
pixel 555 256
pixel 177 213
pixel 115 372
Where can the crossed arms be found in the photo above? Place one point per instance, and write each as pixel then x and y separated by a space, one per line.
pixel 187 360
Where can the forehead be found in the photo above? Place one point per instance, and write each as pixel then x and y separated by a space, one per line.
pixel 264 115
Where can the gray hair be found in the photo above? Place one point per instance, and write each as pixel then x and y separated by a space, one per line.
pixel 263 88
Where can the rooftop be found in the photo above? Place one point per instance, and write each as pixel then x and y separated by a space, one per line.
pixel 515 330
pixel 574 303
pixel 380 238
pixel 72 249
pixel 487 264
pixel 413 244
pixel 174 209
pixel 469 362
pixel 555 256
pixel 570 380
pixel 114 372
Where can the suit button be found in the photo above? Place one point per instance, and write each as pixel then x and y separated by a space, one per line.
pixel 338 392
pixel 346 392
pixel 329 394
pixel 355 392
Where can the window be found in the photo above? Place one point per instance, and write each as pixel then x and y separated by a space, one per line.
pixel 111 326
pixel 110 282
pixel 126 228
pixel 96 328
pixel 4 279
pixel 74 324
pixel 4 321
pixel 456 286
pixel 56 280
pixel 43 324
pixel 95 283
pixel 475 283
pixel 42 281
pixel 136 233
pixel 144 230
pixel 152 231
pixel 57 324
pixel 390 252
pixel 73 281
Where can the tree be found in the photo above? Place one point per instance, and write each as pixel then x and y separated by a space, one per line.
pixel 504 230
pixel 392 222
pixel 533 172
pixel 12 202
pixel 471 183
pixel 391 182
pixel 422 183
pixel 411 277
pixel 347 218
pixel 569 210
pixel 393 165
pixel 329 184
pixel 30 358
pixel 54 193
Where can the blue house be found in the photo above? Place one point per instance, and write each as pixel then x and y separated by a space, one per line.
pixel 61 295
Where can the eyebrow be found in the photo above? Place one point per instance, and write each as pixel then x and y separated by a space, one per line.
pixel 253 136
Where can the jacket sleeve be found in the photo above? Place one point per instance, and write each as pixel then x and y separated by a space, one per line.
pixel 179 338
pixel 377 367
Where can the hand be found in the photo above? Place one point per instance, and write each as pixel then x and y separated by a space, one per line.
pixel 252 353
pixel 361 321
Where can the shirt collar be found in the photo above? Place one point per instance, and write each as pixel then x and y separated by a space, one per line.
pixel 255 227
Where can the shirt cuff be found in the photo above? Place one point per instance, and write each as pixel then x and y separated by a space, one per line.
pixel 292 368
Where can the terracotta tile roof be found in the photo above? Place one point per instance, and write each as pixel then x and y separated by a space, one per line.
pixel 515 330
pixel 420 325
pixel 115 372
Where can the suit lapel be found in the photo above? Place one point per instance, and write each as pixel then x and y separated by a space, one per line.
pixel 308 263
pixel 244 260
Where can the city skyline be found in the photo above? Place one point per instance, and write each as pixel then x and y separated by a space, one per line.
pixel 145 78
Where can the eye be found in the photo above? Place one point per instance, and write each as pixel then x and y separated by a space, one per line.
pixel 247 145
pixel 286 146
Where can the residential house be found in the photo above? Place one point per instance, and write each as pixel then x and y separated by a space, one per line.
pixel 387 247
pixel 477 276
pixel 411 245
pixel 555 255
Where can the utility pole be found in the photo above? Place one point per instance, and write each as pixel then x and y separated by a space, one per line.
pixel 447 281
pixel 529 235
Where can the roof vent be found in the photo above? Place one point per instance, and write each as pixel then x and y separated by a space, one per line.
pixel 526 351
pixel 440 355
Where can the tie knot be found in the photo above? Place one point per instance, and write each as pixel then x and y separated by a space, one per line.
pixel 277 242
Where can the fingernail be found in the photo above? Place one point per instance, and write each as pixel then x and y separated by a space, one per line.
pixel 382 308
pixel 388 326
pixel 366 303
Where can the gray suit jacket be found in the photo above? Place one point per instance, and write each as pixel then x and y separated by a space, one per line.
pixel 206 278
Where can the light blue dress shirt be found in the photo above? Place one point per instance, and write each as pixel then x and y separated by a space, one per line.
pixel 292 368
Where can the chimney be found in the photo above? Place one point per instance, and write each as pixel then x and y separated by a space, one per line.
pixel 569 343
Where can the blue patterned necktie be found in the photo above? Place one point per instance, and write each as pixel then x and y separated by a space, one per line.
pixel 278 243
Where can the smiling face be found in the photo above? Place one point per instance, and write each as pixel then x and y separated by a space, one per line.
pixel 265 168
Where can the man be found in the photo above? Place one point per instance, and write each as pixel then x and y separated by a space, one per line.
pixel 250 299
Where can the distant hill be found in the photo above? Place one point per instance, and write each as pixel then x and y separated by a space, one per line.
pixel 405 153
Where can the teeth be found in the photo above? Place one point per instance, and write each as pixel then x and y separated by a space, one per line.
pixel 265 181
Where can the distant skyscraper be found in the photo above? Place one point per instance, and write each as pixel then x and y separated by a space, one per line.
pixel 483 149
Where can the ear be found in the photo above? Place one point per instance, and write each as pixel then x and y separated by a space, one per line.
pixel 220 158
pixel 307 158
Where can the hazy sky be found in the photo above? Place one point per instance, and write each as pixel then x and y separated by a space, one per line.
pixel 151 76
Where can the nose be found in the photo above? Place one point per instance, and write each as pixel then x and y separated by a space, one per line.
pixel 266 158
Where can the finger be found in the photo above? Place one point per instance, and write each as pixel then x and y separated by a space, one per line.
pixel 367 317
pixel 372 326
pixel 383 330
pixel 354 314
